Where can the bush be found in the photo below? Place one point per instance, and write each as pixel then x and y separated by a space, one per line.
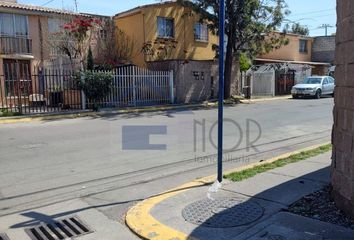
pixel 6 113
pixel 96 86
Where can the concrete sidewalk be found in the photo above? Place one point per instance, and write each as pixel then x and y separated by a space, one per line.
pixel 251 209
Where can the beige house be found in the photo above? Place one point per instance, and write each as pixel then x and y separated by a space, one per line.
pixel 298 51
pixel 27 42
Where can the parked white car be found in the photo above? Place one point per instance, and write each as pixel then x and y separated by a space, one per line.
pixel 314 86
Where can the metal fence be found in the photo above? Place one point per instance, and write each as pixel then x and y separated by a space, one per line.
pixel 134 86
pixel 57 90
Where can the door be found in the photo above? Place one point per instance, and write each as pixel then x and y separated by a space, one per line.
pixel 17 77
pixel 326 88
pixel 332 84
pixel 18 84
pixel 284 83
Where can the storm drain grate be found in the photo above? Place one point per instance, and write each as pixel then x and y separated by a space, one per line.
pixel 222 213
pixel 3 236
pixel 61 229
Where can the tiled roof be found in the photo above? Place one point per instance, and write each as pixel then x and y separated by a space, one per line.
pixel 35 8
pixel 144 6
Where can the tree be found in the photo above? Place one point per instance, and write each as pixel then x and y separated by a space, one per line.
pixel 90 63
pixel 75 37
pixel 297 28
pixel 114 46
pixel 245 62
pixel 249 25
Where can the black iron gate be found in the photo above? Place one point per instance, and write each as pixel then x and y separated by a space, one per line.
pixel 284 83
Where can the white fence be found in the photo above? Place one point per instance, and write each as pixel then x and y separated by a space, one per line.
pixel 133 86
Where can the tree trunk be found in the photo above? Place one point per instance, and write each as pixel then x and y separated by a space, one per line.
pixel 228 68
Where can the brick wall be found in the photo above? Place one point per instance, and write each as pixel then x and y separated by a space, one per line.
pixel 343 129
pixel 323 49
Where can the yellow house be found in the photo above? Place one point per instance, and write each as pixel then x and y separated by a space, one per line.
pixel 166 31
pixel 298 49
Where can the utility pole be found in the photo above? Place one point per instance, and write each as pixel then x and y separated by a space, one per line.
pixel 76 5
pixel 326 26
pixel 221 88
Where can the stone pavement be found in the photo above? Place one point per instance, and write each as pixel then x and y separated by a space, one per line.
pixel 251 209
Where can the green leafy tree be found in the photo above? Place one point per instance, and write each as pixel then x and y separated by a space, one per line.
pixel 90 63
pixel 245 62
pixel 249 27
pixel 96 86
pixel 297 28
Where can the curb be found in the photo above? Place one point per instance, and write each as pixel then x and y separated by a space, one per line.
pixel 255 100
pixel 49 117
pixel 139 220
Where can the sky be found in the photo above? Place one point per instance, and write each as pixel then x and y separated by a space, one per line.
pixel 312 13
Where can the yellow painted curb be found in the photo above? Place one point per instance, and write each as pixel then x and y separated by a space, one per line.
pixel 140 221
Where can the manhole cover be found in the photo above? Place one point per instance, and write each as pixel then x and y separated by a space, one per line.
pixel 222 213
pixel 3 236
pixel 67 228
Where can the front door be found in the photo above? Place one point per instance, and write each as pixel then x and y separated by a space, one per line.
pixel 284 83
pixel 17 77
pixel 18 84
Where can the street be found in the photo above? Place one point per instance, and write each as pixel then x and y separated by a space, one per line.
pixel 93 159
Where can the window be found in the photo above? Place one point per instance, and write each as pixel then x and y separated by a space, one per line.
pixel 201 32
pixel 303 46
pixel 13 25
pixel 312 81
pixel 54 25
pixel 165 27
pixel 325 81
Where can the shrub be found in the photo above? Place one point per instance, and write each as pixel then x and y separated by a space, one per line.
pixel 96 86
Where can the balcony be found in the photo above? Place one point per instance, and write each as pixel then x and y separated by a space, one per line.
pixel 15 45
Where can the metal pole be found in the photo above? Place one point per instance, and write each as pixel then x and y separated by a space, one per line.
pixel 221 87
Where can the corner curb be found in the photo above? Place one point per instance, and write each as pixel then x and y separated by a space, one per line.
pixel 139 220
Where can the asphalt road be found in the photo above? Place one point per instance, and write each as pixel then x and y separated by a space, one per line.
pixel 43 163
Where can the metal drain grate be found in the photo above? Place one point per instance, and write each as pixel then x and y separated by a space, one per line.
pixel 222 213
pixel 3 236
pixel 60 229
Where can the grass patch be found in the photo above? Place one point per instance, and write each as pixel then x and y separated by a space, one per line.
pixel 247 173
pixel 7 113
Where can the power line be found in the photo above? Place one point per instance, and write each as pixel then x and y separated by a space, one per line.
pixel 319 11
pixel 46 3
pixel 325 26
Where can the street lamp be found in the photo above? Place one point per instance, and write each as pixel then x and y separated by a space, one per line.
pixel 221 87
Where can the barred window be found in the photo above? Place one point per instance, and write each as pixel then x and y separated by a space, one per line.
pixel 201 32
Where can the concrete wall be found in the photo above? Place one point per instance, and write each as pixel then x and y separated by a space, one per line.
pixel 343 130
pixel 194 81
pixel 323 49
pixel 142 26
pixel 290 52
pixel 189 84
